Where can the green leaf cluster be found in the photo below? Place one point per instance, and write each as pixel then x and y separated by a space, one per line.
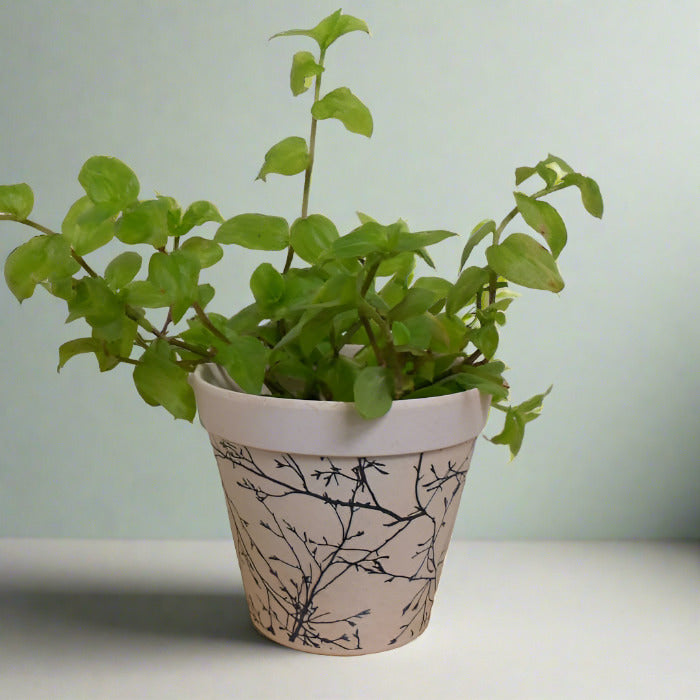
pixel 346 318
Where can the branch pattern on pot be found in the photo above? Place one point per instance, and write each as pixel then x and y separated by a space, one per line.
pixel 325 544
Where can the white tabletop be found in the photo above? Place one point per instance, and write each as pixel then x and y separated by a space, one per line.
pixel 152 619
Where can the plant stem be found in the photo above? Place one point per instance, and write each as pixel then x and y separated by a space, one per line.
pixel 127 360
pixel 390 359
pixel 209 325
pixel 168 321
pixel 310 166
pixel 129 311
pixel 312 142
pixel 27 222
pixel 371 274
pixel 190 348
pixel 33 224
pixel 372 340
pixel 366 310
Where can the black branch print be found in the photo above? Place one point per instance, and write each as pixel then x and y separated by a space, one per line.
pixel 308 529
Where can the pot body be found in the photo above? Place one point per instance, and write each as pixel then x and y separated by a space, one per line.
pixel 341 531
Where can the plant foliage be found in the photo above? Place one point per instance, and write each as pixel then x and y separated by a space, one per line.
pixel 345 319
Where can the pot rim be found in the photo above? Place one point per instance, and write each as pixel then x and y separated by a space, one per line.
pixel 334 428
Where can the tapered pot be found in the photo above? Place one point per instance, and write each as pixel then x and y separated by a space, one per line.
pixel 341 525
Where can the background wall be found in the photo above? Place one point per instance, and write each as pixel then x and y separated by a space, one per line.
pixel 191 95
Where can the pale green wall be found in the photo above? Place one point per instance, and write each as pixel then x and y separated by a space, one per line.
pixel 191 95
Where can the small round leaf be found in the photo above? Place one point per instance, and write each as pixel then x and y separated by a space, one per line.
pixel 17 200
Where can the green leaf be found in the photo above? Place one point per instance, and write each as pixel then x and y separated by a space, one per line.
pixel 267 285
pixel 41 258
pixel 198 213
pixel 337 294
pixel 79 346
pixel 551 169
pixel 255 231
pixel 120 271
pixel 400 265
pixel 465 288
pixel 147 222
pixel 246 320
pixel 160 381
pixel 59 261
pixel 550 175
pixel 485 339
pixel 545 219
pixel 173 214
pixel 520 259
pixel 205 251
pixel 316 330
pixel 486 378
pixel 423 253
pixel 245 359
pixel 516 419
pixel 205 293
pixel 479 232
pixel 559 166
pixel 302 285
pixel 145 294
pixel 292 374
pixel 416 302
pixel 341 104
pixel 373 392
pixel 117 337
pixel 177 275
pixel 304 70
pixel 532 407
pixel 88 226
pixel 400 333
pixel 17 200
pixel 455 334
pixel 393 291
pixel 368 238
pixel 590 193
pixel 415 241
pixel 94 301
pixel 512 434
pixel 329 29
pixel 312 236
pixel 438 286
pixel 365 218
pixel 425 330
pixel 107 180
pixel 62 288
pixel 523 173
pixel 288 157
pixel 340 377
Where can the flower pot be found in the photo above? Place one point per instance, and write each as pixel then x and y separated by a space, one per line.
pixel 341 525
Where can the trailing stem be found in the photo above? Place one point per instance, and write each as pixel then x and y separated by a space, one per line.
pixel 493 280
pixel 310 166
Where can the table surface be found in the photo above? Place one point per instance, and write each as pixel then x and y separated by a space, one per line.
pixel 167 619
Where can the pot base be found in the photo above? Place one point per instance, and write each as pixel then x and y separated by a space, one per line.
pixel 340 555
pixel 266 634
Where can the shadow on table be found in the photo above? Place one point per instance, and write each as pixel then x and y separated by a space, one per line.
pixel 188 614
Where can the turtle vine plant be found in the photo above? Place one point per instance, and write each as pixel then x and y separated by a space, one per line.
pixel 344 319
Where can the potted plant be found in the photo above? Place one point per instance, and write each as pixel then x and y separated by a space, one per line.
pixel 343 404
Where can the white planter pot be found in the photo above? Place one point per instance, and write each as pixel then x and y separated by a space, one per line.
pixel 341 525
